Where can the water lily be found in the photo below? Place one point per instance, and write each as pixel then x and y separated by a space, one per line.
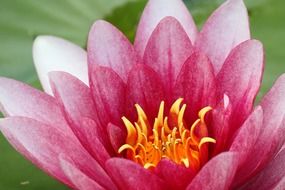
pixel 173 111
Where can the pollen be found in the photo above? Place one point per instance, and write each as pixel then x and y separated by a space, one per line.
pixel 185 145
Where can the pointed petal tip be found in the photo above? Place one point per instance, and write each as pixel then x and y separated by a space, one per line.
pixel 227 27
pixel 99 25
pixel 154 11
pixel 52 53
pixel 108 46
pixel 43 39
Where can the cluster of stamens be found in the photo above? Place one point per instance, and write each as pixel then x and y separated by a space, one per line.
pixel 147 145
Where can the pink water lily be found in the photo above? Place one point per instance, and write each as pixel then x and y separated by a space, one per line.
pixel 173 111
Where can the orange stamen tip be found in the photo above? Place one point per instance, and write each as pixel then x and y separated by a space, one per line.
pixel 147 145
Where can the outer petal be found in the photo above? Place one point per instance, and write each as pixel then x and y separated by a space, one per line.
pixel 246 138
pixel 271 137
pixel 273 104
pixel 154 12
pixel 144 87
pixel 244 143
pixel 108 47
pixel 196 84
pixel 19 99
pixel 167 50
pixel 270 177
pixel 74 95
pixel 55 54
pixel 131 176
pixel 108 91
pixel 227 27
pixel 176 176
pixel 78 178
pixel 218 173
pixel 77 103
pixel 240 79
pixel 43 144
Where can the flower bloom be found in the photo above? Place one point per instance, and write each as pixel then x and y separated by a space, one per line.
pixel 173 111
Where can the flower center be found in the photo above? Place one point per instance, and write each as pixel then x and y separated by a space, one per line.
pixel 147 145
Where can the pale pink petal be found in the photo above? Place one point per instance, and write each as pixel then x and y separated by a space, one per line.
pixel 108 91
pixel 43 144
pixel 245 142
pixel 144 87
pixel 130 176
pixel 176 176
pixel 271 137
pixel 19 99
pixel 196 85
pixel 74 95
pixel 116 135
pixel 218 173
pixel 108 47
pixel 167 50
pixel 55 54
pixel 77 102
pixel 273 104
pixel 154 12
pixel 78 178
pixel 227 27
pixel 240 78
pixel 271 177
pixel 247 136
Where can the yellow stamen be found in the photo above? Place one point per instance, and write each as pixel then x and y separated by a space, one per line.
pixel 147 145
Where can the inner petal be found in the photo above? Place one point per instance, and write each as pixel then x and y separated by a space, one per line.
pixel 147 144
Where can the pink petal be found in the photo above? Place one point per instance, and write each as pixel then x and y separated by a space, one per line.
pixel 220 125
pixel 130 176
pixel 273 104
pixel 108 47
pixel 271 177
pixel 248 135
pixel 271 137
pixel 218 173
pixel 240 78
pixel 280 185
pixel 227 27
pixel 244 143
pixel 176 176
pixel 108 91
pixel 55 54
pixel 196 84
pixel 144 87
pixel 94 138
pixel 78 178
pixel 43 144
pixel 116 135
pixel 74 95
pixel 154 12
pixel 167 50
pixel 19 99
pixel 77 103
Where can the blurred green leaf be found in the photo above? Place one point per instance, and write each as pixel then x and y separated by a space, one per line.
pixel 127 17
pixel 21 21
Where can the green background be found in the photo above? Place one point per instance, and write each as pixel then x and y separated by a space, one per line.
pixel 21 21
